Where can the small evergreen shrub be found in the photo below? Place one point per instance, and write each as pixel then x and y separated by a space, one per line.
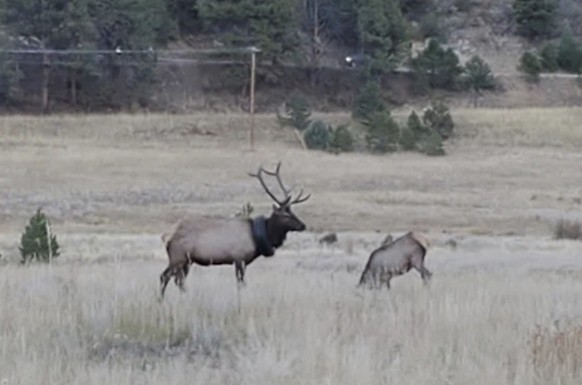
pixel 342 140
pixel 432 144
pixel 317 136
pixel 35 243
pixel 438 118
pixel 531 66
pixel 407 140
pixel 298 113
pixel 382 132
pixel 415 125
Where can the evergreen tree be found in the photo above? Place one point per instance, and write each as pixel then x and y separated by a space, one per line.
pixel 35 243
pixel 55 24
pixel 368 101
pixel 549 57
pixel 129 25
pixel 298 112
pixel 441 68
pixel 416 127
pixel 535 18
pixel 432 144
pixel 569 52
pixel 382 132
pixel 479 77
pixel 530 66
pixel 383 34
pixel 269 25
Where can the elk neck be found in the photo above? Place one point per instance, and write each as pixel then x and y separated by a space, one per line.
pixel 275 233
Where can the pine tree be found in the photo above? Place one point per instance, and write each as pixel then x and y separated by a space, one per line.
pixel 569 52
pixel 298 112
pixel 383 34
pixel 535 18
pixel 439 67
pixel 35 243
pixel 55 24
pixel 530 66
pixel 479 77
pixel 382 132
pixel 432 144
pixel 368 101
pixel 269 25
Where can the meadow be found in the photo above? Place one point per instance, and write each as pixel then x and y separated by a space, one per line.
pixel 503 306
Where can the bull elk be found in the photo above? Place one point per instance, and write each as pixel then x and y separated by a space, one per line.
pixel 231 241
pixel 395 258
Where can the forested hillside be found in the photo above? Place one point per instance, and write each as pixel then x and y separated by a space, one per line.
pixel 115 54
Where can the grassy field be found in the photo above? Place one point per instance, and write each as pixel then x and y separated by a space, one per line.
pixel 503 306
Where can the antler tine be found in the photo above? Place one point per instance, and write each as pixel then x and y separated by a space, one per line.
pixel 276 174
pixel 259 176
pixel 299 199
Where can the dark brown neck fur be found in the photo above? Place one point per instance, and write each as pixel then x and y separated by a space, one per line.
pixel 275 233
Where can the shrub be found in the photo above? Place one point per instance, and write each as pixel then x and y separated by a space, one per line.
pixel 535 18
pixel 557 354
pixel 368 101
pixel 530 66
pixel 566 229
pixel 382 132
pixel 317 136
pixel 298 112
pixel 569 56
pixel 432 144
pixel 549 57
pixel 342 140
pixel 35 243
pixel 438 118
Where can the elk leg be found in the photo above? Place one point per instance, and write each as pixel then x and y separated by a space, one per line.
pixel 425 274
pixel 164 279
pixel 239 269
pixel 181 276
pixel 387 278
pixel 418 264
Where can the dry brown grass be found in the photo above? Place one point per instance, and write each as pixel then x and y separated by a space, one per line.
pixel 114 184
pixel 557 354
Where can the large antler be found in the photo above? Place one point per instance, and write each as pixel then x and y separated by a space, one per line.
pixel 287 192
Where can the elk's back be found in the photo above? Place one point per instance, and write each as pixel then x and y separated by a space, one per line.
pixel 396 255
pixel 215 240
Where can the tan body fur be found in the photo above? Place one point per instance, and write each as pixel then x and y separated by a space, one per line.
pixel 396 258
pixel 231 241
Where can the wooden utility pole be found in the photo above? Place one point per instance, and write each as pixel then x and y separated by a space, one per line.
pixel 254 51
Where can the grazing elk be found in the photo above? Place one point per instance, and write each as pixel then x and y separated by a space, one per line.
pixel 396 258
pixel 228 241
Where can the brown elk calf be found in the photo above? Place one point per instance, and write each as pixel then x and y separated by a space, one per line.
pixel 396 258
pixel 231 241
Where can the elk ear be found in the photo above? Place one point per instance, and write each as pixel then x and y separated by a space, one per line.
pixel 275 207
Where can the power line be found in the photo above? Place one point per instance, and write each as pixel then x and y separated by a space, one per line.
pixel 119 51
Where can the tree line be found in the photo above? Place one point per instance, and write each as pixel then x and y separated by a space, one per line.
pixel 287 31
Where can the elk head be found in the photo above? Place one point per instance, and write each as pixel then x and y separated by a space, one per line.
pixel 282 219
